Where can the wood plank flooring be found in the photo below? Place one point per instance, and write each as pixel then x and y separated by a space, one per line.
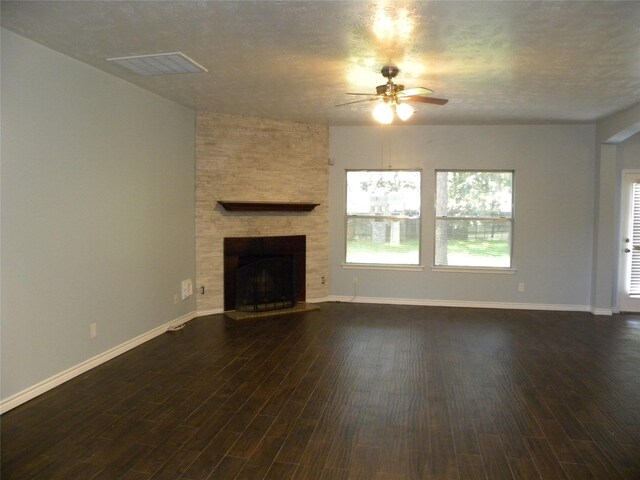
pixel 350 391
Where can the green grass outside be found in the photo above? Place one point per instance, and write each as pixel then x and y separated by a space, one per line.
pixel 460 252
pixel 364 246
pixel 362 251
pixel 486 248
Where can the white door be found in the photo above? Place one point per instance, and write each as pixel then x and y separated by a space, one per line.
pixel 629 278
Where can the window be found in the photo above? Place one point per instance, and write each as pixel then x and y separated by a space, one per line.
pixel 383 217
pixel 474 218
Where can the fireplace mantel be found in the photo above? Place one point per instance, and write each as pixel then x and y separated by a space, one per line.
pixel 241 206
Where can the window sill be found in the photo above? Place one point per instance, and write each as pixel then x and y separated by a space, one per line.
pixel 489 270
pixel 379 266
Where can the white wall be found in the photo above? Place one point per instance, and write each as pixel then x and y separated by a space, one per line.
pixel 612 156
pixel 553 231
pixel 630 153
pixel 97 212
pixel 620 126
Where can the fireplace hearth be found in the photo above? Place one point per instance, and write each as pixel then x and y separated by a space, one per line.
pixel 264 273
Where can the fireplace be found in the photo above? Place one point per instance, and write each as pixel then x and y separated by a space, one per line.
pixel 265 283
pixel 264 273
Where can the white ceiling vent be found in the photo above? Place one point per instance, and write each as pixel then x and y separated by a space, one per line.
pixel 159 64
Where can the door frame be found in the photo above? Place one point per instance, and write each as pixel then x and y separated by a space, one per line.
pixel 623 230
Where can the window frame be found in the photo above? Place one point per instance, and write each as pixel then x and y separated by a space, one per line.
pixel 473 268
pixel 382 266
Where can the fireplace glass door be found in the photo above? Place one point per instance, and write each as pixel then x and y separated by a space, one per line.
pixel 265 283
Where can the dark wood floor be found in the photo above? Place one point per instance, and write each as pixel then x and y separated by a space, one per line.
pixel 349 392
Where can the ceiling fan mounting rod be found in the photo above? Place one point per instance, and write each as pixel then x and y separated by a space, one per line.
pixel 389 71
pixel 389 89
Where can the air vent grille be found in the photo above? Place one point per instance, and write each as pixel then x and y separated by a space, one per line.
pixel 159 64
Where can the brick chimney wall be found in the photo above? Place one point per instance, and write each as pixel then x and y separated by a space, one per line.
pixel 253 159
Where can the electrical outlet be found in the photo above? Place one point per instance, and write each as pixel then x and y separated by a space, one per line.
pixel 323 280
pixel 176 298
pixel 93 330
pixel 521 287
pixel 186 288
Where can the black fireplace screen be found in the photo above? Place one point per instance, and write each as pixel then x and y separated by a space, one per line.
pixel 265 283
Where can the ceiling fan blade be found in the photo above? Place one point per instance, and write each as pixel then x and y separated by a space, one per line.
pixel 415 91
pixel 357 101
pixel 370 94
pixel 433 100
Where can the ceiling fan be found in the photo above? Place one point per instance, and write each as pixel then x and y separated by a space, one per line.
pixel 392 97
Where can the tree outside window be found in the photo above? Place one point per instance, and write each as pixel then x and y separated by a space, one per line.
pixel 474 218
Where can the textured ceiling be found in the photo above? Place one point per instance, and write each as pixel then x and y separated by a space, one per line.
pixel 497 62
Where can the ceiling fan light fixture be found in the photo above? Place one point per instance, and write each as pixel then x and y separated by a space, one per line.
pixel 383 113
pixel 392 98
pixel 404 111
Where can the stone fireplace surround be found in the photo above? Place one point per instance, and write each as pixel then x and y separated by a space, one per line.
pixel 259 160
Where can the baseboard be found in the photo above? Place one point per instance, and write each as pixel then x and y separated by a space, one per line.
pixel 38 389
pixel 317 300
pixel 602 311
pixel 461 303
pixel 180 320
pixel 215 311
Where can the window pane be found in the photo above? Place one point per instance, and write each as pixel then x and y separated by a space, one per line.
pixel 383 193
pixel 473 243
pixel 384 241
pixel 474 212
pixel 474 194
pixel 383 217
